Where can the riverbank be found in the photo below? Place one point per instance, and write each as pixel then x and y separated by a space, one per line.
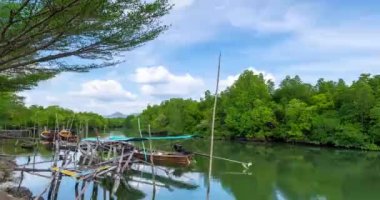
pixel 8 187
pixel 364 147
pixel 6 169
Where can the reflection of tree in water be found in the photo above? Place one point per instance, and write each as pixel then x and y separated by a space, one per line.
pixel 292 172
pixel 124 192
pixel 128 191
pixel 167 181
pixel 9 147
pixel 295 172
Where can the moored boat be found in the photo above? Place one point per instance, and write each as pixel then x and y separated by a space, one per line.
pixel 165 158
pixel 27 145
pixel 47 135
pixel 67 136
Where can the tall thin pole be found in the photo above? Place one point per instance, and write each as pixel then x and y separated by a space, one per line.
pixel 86 128
pixel 143 145
pixel 152 162
pixel 212 130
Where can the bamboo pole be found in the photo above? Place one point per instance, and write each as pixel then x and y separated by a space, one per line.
pixel 83 190
pixel 212 131
pixel 151 160
pixel 86 128
pixel 46 188
pixel 138 122
pixel 21 179
pixel 245 164
pixel 127 162
pixel 118 175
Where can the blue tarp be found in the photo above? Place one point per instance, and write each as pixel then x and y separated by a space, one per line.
pixel 130 139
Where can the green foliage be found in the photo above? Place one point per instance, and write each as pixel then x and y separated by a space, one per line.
pixel 173 116
pixel 357 103
pixel 22 81
pixel 350 135
pixel 12 109
pixel 38 36
pixel 246 105
pixel 14 114
pixel 327 113
pixel 115 122
pixel 374 130
pixel 324 127
pixel 293 88
pixel 298 119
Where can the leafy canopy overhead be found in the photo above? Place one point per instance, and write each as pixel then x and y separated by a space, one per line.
pixel 37 35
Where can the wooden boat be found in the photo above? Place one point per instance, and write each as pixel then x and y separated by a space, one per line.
pixel 48 135
pixel 66 135
pixel 165 158
pixel 27 145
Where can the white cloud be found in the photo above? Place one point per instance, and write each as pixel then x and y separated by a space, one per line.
pixel 159 81
pixel 224 83
pixel 152 75
pixel 104 90
pixel 179 4
pixel 125 107
pixel 292 37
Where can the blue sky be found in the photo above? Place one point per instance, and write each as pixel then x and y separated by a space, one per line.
pixel 327 38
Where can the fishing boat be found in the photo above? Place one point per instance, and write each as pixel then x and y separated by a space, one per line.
pixel 27 145
pixel 159 157
pixel 165 158
pixel 67 136
pixel 47 135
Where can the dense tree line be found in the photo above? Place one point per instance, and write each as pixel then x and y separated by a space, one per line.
pixel 327 113
pixel 15 115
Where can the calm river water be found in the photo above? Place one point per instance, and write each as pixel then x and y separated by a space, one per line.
pixel 279 171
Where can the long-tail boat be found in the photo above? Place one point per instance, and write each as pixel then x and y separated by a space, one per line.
pixel 179 158
pixel 165 158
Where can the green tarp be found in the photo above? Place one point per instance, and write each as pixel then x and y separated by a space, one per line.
pixel 130 139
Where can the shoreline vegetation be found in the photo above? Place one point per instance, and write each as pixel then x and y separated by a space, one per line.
pixel 328 113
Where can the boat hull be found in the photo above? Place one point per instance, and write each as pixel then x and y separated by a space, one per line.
pixel 48 136
pixel 66 135
pixel 72 138
pixel 166 158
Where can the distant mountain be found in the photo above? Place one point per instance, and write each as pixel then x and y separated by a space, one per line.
pixel 116 115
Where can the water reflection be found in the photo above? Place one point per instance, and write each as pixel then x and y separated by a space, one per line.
pixel 278 172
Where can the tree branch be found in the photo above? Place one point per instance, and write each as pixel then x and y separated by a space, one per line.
pixel 11 18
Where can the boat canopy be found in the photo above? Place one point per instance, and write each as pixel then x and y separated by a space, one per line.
pixel 132 139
